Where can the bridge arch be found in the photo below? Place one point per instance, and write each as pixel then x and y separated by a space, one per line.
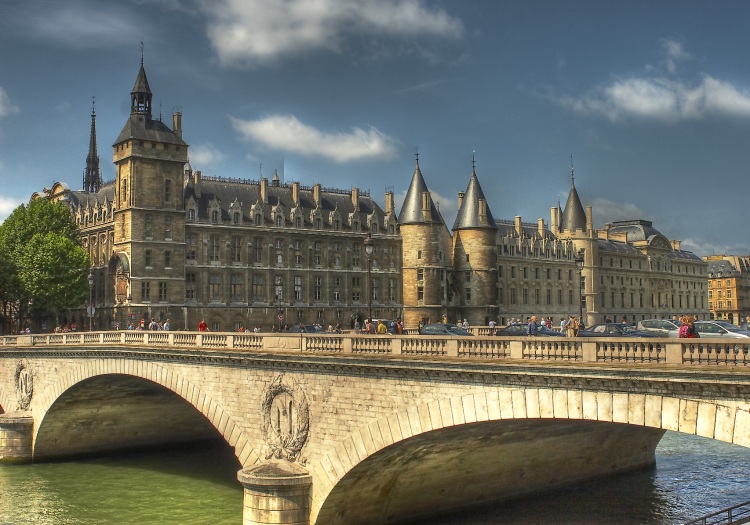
pixel 216 415
pixel 622 428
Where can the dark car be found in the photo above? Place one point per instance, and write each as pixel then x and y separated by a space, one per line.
pixel 520 329
pixel 615 330
pixel 443 329
pixel 305 329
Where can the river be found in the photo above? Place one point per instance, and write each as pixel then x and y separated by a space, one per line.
pixel 197 486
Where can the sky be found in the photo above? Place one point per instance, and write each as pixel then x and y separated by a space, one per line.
pixel 648 101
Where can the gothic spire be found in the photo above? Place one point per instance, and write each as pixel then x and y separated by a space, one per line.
pixel 92 177
pixel 140 97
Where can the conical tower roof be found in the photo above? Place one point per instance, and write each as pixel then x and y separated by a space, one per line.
pixel 411 211
pixel 469 215
pixel 573 217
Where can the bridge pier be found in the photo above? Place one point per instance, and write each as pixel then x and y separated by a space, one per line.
pixel 16 434
pixel 276 493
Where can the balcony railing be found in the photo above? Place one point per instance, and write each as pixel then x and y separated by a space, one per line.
pixel 705 352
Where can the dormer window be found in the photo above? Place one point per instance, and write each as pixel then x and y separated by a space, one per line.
pixel 236 217
pixel 215 216
pixel 279 221
pixel 191 215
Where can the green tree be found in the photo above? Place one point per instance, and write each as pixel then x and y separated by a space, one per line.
pixel 44 264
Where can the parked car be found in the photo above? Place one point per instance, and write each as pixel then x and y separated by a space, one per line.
pixel 720 329
pixel 520 329
pixel 615 330
pixel 443 329
pixel 663 327
pixel 305 329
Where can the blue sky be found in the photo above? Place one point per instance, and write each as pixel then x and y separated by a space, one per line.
pixel 651 99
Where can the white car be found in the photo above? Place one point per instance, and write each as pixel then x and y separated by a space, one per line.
pixel 663 327
pixel 720 329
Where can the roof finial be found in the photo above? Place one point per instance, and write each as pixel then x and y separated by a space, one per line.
pixel 473 161
pixel 93 105
pixel 572 173
pixel 141 52
pixel 416 153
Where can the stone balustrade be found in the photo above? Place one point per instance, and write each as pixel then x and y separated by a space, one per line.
pixel 712 352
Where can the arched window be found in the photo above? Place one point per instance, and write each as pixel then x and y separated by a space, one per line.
pixel 191 215
pixel 215 216
pixel 279 221
pixel 236 217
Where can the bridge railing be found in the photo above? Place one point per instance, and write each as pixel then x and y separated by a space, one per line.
pixel 711 352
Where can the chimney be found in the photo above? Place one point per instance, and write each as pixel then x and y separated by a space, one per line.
pixel 518 225
pixel 460 199
pixel 355 198
pixel 589 220
pixel 177 122
pixel 388 202
pixel 540 226
pixel 676 245
pixel 264 190
pixel 295 193
pixel 553 218
pixel 316 195
pixel 426 215
pixel 198 184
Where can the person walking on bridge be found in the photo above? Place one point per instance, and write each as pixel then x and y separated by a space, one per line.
pixel 532 328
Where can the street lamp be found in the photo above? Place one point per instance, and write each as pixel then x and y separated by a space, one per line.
pixel 91 301
pixel 579 259
pixel 369 248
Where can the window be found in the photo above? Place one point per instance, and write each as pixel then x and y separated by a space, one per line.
pixel 214 288
pixel 525 295
pixel 468 295
pixel 278 288
pixel 235 248
pixel 167 190
pixel 190 242
pixel 236 217
pixel 148 260
pixel 162 292
pixel 420 293
pixel 213 248
pixel 258 250
pixel 279 221
pixel 419 254
pixel 191 215
pixel 392 289
pixel 355 289
pixel 189 286
pixel 148 229
pixel 298 288
pixel 168 228
pixel 317 291
pixel 236 288
pixel 215 216
pixel 145 291
pixel 420 274
pixel 258 288
pixel 167 259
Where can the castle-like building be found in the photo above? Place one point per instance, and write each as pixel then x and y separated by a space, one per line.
pixel 167 242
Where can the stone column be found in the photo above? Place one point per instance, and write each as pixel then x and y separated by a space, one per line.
pixel 275 493
pixel 16 433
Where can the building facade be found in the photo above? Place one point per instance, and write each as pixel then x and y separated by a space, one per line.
pixel 167 242
pixel 729 288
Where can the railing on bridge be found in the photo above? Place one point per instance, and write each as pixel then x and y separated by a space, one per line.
pixel 735 515
pixel 713 352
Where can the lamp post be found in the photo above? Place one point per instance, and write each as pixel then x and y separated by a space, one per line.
pixel 369 248
pixel 91 301
pixel 579 259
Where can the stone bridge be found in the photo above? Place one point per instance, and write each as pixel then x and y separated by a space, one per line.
pixel 344 429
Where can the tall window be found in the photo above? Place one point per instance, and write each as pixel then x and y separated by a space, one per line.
pixel 148 226
pixel 167 190
pixel 148 259
pixel 190 242
pixel 214 288
pixel 278 288
pixel 356 292
pixel 298 288
pixel 213 248
pixel 236 288
pixel 167 259
pixel 145 291
pixel 162 291
pixel 318 287
pixel 258 250
pixel 167 228
pixel 259 294
pixel 190 285
pixel 235 248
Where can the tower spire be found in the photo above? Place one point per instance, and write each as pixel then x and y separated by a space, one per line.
pixel 572 173
pixel 92 177
pixel 140 97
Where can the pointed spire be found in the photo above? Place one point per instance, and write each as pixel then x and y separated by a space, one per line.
pixel 140 96
pixel 474 212
pixel 412 209
pixel 92 177
pixel 574 217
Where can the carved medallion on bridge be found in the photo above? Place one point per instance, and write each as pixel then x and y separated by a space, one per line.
pixel 286 418
pixel 24 381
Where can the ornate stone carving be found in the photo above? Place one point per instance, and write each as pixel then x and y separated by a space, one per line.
pixel 286 418
pixel 24 381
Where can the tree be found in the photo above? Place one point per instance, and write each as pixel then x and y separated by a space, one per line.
pixel 44 264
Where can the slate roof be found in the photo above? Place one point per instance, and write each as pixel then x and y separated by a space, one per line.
pixel 722 268
pixel 411 210
pixel 468 213
pixel 573 217
pixel 142 127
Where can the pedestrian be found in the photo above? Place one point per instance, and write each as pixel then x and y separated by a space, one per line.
pixel 167 326
pixel 382 329
pixel 532 328
pixel 202 326
pixel 399 326
pixel 571 327
pixel 687 329
pixel 580 326
pixel 466 325
pixel 357 326
pixel 492 326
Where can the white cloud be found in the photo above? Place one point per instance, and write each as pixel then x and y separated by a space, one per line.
pixel 248 32
pixel 7 205
pixel 605 211
pixel 205 156
pixel 664 100
pixel 7 107
pixel 674 53
pixel 287 133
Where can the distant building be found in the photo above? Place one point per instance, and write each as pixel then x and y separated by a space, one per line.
pixel 729 287
pixel 168 242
